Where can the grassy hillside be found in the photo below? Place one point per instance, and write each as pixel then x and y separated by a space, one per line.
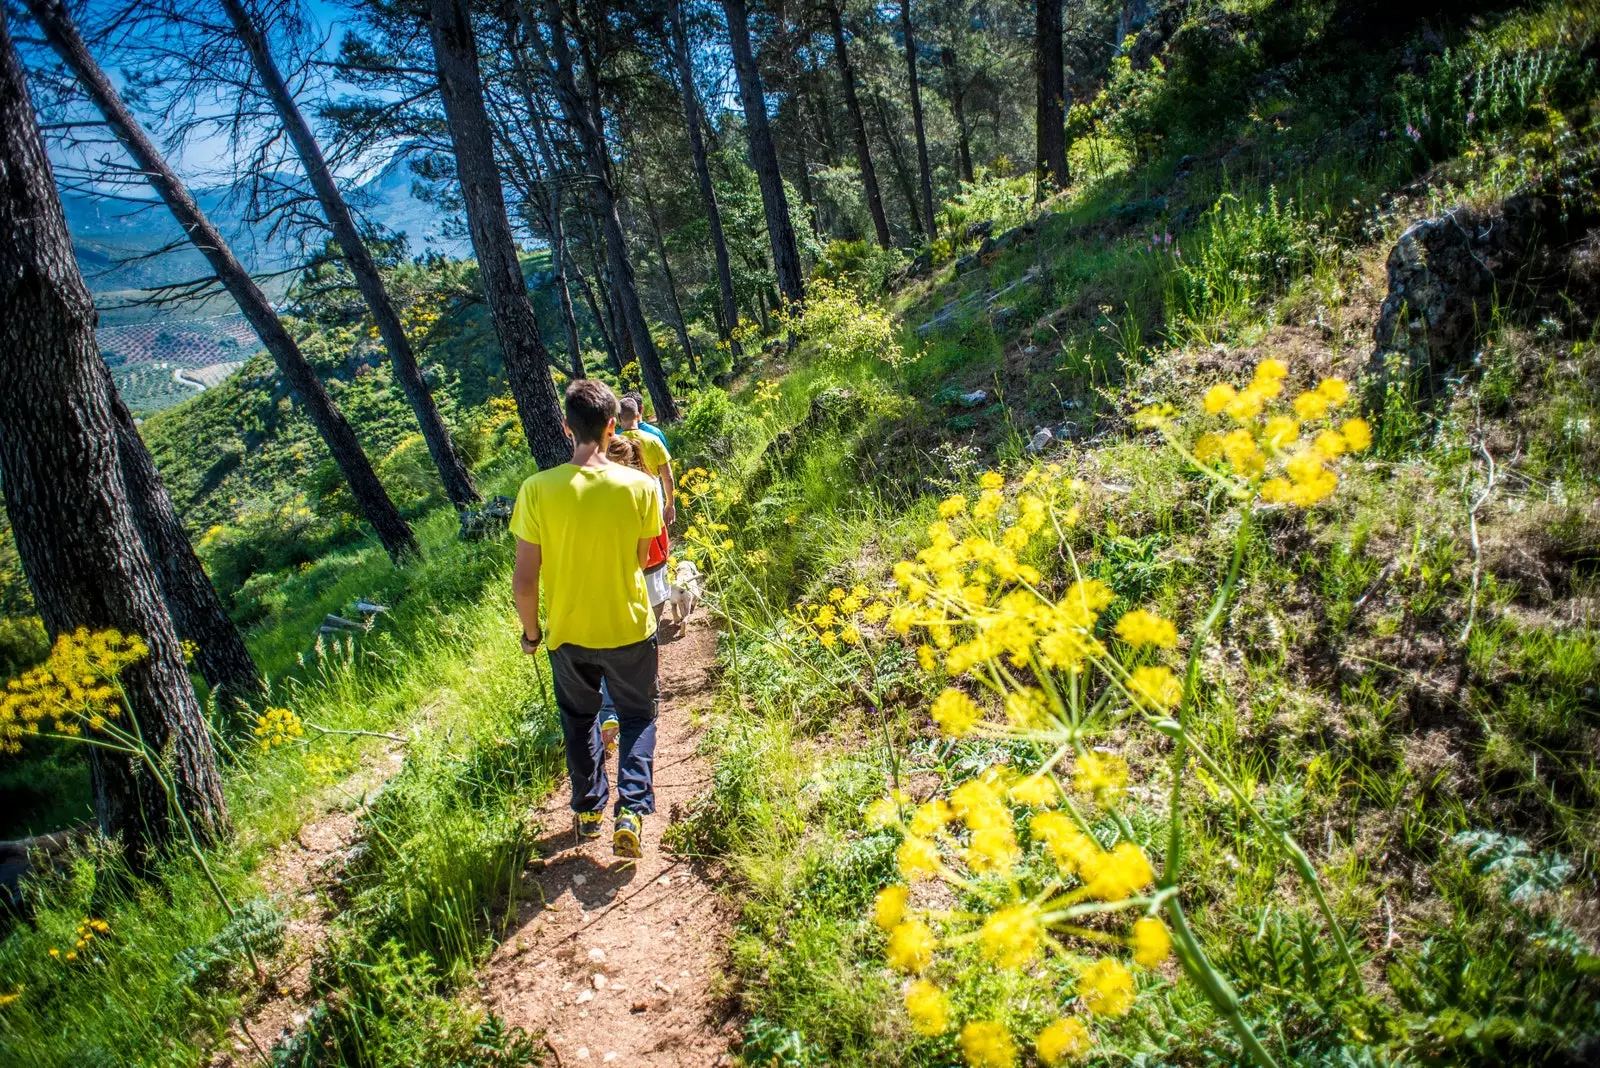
pixel 1330 800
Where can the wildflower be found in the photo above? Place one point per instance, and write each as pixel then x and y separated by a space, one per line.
pixel 1139 628
pixel 277 726
pixel 1151 942
pixel 1280 431
pixel 1096 773
pixel 850 635
pixel 1154 416
pixel 928 1008
pixel 1073 851
pixel 991 480
pixel 1330 444
pixel 828 639
pixel 1027 708
pixel 1156 686
pixel 917 858
pixel 874 613
pixel 988 506
pixel 993 849
pixel 1357 434
pixel 926 657
pixel 1066 1039
pixel 952 506
pixel 1247 404
pixel 1218 398
pixel 955 712
pixel 889 907
pixel 54 952
pixel 1035 791
pixel 1335 391
pixel 931 817
pixel 7 999
pixel 883 812
pixel 1309 406
pixel 1119 874
pixel 1207 447
pixel 987 1044
pixel 1010 937
pixel 1240 449
pixel 1106 987
pixel 911 947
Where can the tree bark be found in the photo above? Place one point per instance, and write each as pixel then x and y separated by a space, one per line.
pixel 596 312
pixel 702 172
pixel 958 107
pixel 1050 158
pixel 764 156
pixel 902 173
pixel 581 115
pixel 67 498
pixel 852 103
pixel 924 173
pixel 678 320
pixel 452 471
pixel 196 610
pixel 527 362
pixel 331 424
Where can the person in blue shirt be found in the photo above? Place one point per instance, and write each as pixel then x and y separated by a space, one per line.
pixel 654 431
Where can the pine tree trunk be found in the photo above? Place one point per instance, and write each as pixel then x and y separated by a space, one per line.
pixel 331 424
pixel 67 498
pixel 555 221
pixel 852 103
pixel 595 312
pixel 958 107
pixel 924 173
pixel 1050 81
pixel 527 362
pixel 582 117
pixel 902 173
pixel 196 610
pixel 452 471
pixel 729 320
pixel 678 321
pixel 764 156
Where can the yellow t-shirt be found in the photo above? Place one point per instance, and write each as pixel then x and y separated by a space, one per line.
pixel 651 451
pixel 588 521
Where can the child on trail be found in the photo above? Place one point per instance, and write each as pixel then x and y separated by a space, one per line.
pixel 653 451
pixel 638 401
pixel 586 528
pixel 626 451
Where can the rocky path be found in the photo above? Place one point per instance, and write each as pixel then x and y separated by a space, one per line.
pixel 618 962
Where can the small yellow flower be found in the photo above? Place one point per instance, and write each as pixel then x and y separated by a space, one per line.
pixel 1335 390
pixel 927 658
pixel 1248 404
pixel 1151 942
pixel 1357 433
pixel 1281 431
pixel 928 1008
pixel 889 907
pixel 1156 686
pixel 883 812
pixel 1010 936
pixel 952 506
pixel 850 635
pixel 1271 369
pixel 1309 406
pixel 1106 987
pixel 987 1044
pixel 911 947
pixel 1065 1040
pixel 917 858
pixel 955 712
pixel 991 480
pixel 1096 773
pixel 1207 447
pixel 931 817
pixel 1139 628
pixel 54 952
pixel 1218 398
pixel 1035 791
pixel 1119 874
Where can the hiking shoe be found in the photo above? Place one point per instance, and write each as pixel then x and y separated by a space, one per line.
pixel 588 825
pixel 626 834
pixel 609 727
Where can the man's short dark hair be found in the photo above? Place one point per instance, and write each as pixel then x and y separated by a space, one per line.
pixel 629 410
pixel 637 398
pixel 590 406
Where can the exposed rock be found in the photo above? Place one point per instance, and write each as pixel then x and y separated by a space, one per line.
pixel 1447 274
pixel 979 229
pixel 967 263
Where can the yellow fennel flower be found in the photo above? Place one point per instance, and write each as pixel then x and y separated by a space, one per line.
pixel 874 613
pixel 1119 874
pixel 1309 406
pixel 993 849
pixel 1010 937
pixel 952 506
pixel 955 713
pixel 883 812
pixel 911 947
pixel 851 634
pixel 1271 369
pixel 1139 627
pixel 1241 451
pixel 991 480
pixel 1357 434
pixel 917 858
pixel 931 817
pixel 926 657
pixel 1027 708
pixel 1156 686
pixel 928 1008
pixel 889 907
pixel 1248 404
pixel 1151 942
pixel 1218 397
pixel 1330 444
pixel 1073 851
pixel 1035 791
pixel 828 639
pixel 1065 1040
pixel 1095 773
pixel 1106 987
pixel 987 1044
pixel 1207 447
pixel 1280 431
pixel 1334 390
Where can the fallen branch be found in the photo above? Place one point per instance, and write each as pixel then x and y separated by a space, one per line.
pixel 321 730
pixel 1477 550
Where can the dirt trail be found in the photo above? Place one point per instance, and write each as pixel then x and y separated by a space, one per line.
pixel 618 962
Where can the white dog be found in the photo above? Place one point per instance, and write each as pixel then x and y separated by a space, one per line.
pixel 686 592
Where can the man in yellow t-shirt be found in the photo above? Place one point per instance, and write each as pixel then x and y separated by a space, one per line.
pixel 653 450
pixel 585 527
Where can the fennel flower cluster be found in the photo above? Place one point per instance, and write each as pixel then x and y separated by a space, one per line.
pixel 277 726
pixel 841 617
pixel 703 495
pixel 86 933
pixel 75 688
pixel 1282 452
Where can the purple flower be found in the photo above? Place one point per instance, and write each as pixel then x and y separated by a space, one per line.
pixel 1470 116
pixel 1412 132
